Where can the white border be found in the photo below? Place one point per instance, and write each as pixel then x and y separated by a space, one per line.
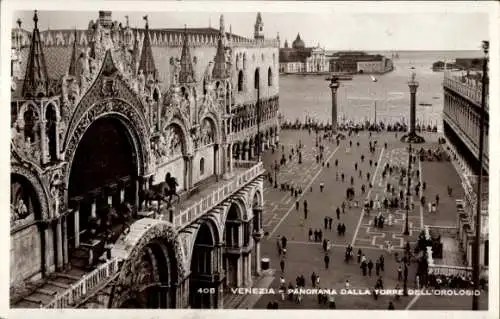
pixel 7 7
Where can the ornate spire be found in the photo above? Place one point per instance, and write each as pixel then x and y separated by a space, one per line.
pixel 222 28
pixel 147 63
pixel 36 79
pixel 135 54
pixel 186 74
pixel 73 61
pixel 219 72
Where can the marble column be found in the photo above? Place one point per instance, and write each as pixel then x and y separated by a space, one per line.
pixel 217 159
pixel 44 155
pixel 65 241
pixel 76 214
pixel 59 245
pixel 93 207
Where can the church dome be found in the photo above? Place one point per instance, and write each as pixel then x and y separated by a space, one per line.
pixel 298 43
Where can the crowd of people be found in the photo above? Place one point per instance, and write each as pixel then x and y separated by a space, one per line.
pixel 360 180
pixel 346 126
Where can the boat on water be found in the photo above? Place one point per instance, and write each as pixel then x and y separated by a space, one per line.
pixel 425 104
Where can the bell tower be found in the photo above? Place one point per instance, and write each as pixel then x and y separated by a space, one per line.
pixel 259 28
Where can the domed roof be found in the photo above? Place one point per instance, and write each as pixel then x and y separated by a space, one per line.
pixel 298 43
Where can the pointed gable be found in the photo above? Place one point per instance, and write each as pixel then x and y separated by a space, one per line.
pixel 36 79
pixel 186 74
pixel 219 72
pixel 147 63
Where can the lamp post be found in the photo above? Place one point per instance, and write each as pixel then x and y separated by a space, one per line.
pixel 407 231
pixel 477 243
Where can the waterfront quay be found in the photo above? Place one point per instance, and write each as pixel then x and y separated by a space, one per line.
pixel 303 256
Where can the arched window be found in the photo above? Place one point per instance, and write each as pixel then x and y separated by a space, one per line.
pixel 29 124
pixel 240 81
pixel 51 117
pixel 202 166
pixel 269 77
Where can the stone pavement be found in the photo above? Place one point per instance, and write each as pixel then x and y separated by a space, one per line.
pixel 303 256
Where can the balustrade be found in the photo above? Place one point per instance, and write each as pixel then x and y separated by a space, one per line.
pixel 472 92
pixel 85 285
pixel 193 212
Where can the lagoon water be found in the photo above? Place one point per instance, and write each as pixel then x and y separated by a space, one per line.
pixel 309 95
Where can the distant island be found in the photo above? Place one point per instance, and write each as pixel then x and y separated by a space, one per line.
pixel 471 64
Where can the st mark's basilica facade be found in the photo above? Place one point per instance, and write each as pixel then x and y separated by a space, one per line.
pixel 99 118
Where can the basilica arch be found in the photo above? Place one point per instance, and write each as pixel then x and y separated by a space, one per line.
pixel 206 262
pixel 153 271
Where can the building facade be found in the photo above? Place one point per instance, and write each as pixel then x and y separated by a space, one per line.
pixel 100 118
pixel 461 124
pixel 299 59
pixel 359 62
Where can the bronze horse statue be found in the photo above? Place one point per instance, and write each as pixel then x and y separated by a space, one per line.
pixel 162 192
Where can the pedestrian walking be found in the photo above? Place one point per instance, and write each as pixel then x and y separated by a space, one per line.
pixel 359 255
pixel 377 268
pixel 382 262
pixel 283 242
pixel 321 186
pixel 338 213
pixel 297 205
pixel 391 306
pixel 355 166
pixel 325 222
pixel 324 245
pixel 370 267
pixel 310 234
pixel 313 279
pixel 347 284
pixel 327 261
pixel 278 244
pixel 400 273
pixel 282 265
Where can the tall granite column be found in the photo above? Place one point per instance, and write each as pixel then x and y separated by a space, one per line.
pixel 334 85
pixel 412 136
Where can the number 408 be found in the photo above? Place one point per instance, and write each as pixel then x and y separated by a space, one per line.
pixel 206 290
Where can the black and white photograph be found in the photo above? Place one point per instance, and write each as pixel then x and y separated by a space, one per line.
pixel 266 156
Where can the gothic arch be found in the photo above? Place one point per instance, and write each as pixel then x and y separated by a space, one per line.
pixel 39 189
pixel 213 119
pixel 130 250
pixel 117 109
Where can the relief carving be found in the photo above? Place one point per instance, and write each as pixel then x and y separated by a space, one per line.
pixel 39 192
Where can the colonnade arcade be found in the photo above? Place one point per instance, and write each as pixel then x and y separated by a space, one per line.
pixel 247 149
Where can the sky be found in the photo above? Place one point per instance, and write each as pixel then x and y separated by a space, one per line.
pixel 371 28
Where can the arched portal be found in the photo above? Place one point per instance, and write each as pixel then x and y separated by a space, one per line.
pixel 233 244
pixel 103 172
pixel 153 286
pixel 204 263
pixel 26 261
